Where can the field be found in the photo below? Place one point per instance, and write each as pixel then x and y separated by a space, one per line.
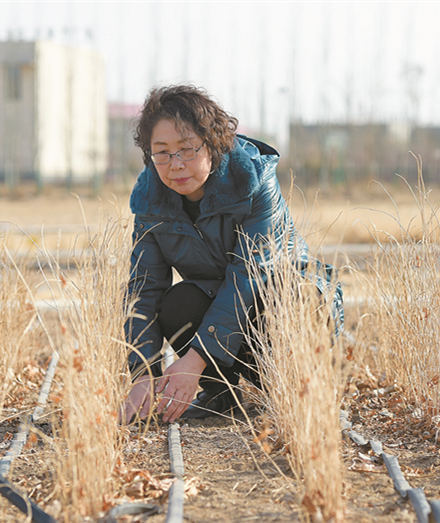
pixel 64 265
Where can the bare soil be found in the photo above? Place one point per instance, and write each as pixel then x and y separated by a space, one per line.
pixel 230 479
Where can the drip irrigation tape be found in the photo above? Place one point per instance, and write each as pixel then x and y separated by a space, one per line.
pixel 376 447
pixel 8 490
pixel 357 438
pixel 23 430
pixel 426 512
pixel 177 490
pixel 415 495
pixel 343 420
pixel 45 387
pixel 435 508
pixel 16 447
pixel 131 509
pixel 393 467
pixel 23 503
pixel 420 504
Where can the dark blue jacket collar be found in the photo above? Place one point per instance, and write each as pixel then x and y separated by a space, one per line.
pixel 239 176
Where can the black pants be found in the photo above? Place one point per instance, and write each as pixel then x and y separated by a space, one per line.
pixel 186 303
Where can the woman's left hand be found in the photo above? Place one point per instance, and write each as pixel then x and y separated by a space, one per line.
pixel 180 380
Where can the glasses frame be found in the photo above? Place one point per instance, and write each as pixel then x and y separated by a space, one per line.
pixel 177 155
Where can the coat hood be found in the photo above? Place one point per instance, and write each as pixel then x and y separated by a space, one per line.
pixel 239 176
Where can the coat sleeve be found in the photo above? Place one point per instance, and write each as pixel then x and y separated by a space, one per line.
pixel 221 330
pixel 150 276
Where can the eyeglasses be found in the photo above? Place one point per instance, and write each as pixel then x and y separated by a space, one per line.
pixel 185 155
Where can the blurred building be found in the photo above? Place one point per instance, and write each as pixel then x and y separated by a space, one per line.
pixel 53 113
pixel 330 154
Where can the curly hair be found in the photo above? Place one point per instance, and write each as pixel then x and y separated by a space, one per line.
pixel 187 106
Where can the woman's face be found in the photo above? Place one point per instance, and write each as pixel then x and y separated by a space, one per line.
pixel 186 178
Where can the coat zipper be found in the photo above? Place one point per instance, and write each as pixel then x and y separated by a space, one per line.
pixel 198 231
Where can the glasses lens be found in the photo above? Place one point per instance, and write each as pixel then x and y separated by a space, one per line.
pixel 160 158
pixel 187 154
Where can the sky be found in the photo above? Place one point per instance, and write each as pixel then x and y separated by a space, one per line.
pixel 267 62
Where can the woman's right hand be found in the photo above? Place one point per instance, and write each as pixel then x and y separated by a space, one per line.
pixel 140 400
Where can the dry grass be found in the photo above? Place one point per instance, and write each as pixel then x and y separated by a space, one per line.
pixel 55 220
pixel 337 218
pixel 85 325
pixel 17 325
pixel 91 369
pixel 405 293
pixel 304 378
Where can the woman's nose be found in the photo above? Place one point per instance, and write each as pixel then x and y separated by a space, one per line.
pixel 176 163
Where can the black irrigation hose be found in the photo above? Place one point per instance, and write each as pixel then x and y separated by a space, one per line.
pixel 425 511
pixel 177 490
pixel 8 490
pixel 23 503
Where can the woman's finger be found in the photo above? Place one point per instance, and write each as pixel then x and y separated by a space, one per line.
pixel 147 408
pixel 174 408
pixel 139 399
pixel 167 397
pixel 182 406
pixel 162 383
pixel 171 407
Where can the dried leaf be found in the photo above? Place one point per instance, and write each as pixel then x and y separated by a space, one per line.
pixel 136 489
pixel 267 431
pixel 349 354
pixel 7 437
pixel 308 504
pixel 313 502
pixel 365 466
pixel 193 486
pixel 142 483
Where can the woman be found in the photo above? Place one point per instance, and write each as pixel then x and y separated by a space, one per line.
pixel 205 196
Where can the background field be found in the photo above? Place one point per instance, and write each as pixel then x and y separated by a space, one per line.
pixel 330 218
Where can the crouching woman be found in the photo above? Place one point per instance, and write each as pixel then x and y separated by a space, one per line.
pixel 206 195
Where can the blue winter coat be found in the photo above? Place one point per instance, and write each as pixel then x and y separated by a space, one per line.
pixel 241 197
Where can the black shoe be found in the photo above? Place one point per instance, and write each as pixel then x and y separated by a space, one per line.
pixel 211 403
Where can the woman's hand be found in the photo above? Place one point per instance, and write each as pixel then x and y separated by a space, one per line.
pixel 180 380
pixel 140 400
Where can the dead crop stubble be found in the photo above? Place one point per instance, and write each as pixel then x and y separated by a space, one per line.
pixel 405 291
pixel 17 323
pixel 90 309
pixel 304 378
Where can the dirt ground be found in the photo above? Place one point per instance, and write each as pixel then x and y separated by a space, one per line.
pixel 229 479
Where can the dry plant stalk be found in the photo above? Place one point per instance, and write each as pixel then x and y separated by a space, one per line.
pixel 406 294
pixel 303 377
pixel 17 318
pixel 91 369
